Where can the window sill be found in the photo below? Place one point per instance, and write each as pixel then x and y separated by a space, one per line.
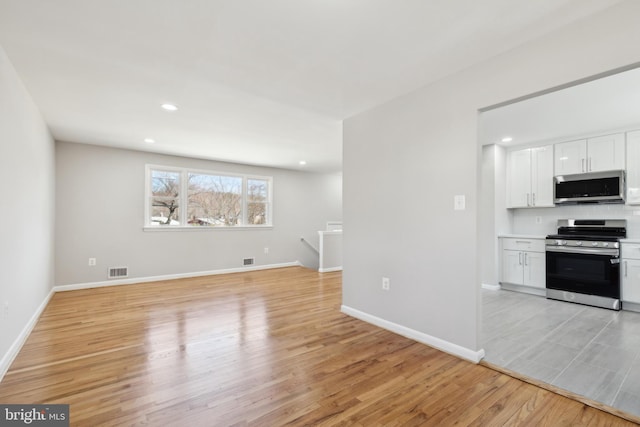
pixel 176 228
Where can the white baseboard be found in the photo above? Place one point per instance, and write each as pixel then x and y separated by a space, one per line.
pixel 491 287
pixel 129 281
pixel 329 270
pixel 631 306
pixel 440 344
pixel 15 348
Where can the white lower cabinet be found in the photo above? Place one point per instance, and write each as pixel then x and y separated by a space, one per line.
pixel 534 269
pixel 630 273
pixel 523 262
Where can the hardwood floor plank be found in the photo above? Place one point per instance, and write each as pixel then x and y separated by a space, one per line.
pixel 256 349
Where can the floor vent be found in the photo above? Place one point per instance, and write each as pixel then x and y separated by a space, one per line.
pixel 117 272
pixel 248 261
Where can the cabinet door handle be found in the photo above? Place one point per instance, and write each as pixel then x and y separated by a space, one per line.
pixel 590 169
pixel 583 165
pixel 626 269
pixel 533 198
pixel 528 204
pixel 525 258
pixel 519 258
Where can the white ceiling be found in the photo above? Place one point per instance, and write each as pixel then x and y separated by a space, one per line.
pixel 263 82
pixel 606 104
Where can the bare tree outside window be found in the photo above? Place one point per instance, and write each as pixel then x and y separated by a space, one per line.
pixel 214 200
pixel 257 201
pixel 165 192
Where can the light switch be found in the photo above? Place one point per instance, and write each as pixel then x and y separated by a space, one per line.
pixel 459 203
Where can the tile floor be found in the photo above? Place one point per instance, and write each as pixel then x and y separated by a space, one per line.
pixel 591 351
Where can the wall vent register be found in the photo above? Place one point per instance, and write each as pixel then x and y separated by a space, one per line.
pixel 118 272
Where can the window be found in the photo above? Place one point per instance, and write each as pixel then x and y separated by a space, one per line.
pixel 182 198
pixel 257 201
pixel 165 201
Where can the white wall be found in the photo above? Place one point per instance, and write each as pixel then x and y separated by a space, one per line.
pixel 493 217
pixel 525 220
pixel 27 213
pixel 405 160
pixel 100 214
pixel 330 250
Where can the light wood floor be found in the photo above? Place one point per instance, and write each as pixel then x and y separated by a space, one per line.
pixel 263 348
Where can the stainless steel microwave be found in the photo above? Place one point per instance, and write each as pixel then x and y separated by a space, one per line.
pixel 592 187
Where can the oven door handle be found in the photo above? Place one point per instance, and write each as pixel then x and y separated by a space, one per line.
pixel 588 251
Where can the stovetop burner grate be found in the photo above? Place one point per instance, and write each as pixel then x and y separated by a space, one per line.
pixel 590 230
pixel 586 238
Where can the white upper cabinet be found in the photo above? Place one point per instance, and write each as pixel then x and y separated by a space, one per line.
pixel 570 157
pixel 519 178
pixel 597 154
pixel 542 176
pixel 606 153
pixel 530 177
pixel 633 168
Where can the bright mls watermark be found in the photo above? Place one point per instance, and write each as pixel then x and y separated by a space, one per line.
pixel 34 415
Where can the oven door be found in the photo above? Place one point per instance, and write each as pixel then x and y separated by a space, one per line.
pixel 584 270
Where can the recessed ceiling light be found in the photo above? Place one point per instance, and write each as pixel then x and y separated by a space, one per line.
pixel 169 107
pixel 507 139
pixel 303 162
pixel 149 140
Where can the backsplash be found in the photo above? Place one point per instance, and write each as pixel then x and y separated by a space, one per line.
pixel 525 221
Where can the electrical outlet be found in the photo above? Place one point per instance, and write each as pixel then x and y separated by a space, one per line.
pixel 538 220
pixel 92 262
pixel 266 250
pixel 385 283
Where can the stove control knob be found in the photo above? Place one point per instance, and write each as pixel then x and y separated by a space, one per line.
pixel 605 244
pixel 594 244
pixel 558 242
pixel 578 243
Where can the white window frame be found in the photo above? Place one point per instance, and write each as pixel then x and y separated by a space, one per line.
pixel 183 199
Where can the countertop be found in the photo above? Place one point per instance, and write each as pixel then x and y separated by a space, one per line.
pixel 522 236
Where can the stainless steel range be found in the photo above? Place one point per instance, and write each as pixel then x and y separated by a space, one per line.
pixel 583 262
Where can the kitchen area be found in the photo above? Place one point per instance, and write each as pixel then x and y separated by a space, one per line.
pixel 560 239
